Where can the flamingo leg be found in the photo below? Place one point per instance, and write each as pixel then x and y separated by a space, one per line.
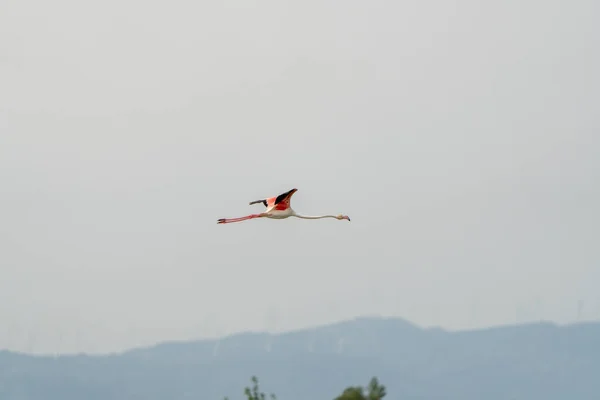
pixel 229 220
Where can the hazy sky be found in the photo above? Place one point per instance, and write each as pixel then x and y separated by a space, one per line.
pixel 462 138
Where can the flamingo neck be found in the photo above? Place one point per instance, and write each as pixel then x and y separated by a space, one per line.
pixel 314 217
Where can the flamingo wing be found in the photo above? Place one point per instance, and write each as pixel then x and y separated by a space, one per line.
pixel 281 202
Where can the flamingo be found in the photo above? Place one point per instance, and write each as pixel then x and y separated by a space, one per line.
pixel 278 207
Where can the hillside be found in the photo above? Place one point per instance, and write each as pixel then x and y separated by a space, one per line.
pixel 534 361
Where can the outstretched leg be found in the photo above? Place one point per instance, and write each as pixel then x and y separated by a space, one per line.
pixel 229 220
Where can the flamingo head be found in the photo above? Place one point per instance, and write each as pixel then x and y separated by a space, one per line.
pixel 341 217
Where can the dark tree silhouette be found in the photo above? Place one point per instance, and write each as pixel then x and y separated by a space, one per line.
pixel 254 393
pixel 375 391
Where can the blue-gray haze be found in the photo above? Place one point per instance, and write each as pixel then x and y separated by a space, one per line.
pixel 530 361
pixel 462 138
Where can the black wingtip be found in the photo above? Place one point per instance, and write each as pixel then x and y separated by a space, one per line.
pixel 282 196
pixel 259 201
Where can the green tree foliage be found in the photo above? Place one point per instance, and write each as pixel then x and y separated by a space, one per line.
pixel 375 391
pixel 352 393
pixel 254 393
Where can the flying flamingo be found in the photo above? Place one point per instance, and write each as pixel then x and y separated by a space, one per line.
pixel 278 208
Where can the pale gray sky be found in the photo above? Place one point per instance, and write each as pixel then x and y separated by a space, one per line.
pixel 462 138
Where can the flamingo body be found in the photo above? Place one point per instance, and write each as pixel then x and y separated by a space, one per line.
pixel 278 207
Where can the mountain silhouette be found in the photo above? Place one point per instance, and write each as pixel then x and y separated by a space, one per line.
pixel 531 361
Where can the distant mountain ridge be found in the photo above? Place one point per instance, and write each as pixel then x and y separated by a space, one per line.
pixel 538 360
